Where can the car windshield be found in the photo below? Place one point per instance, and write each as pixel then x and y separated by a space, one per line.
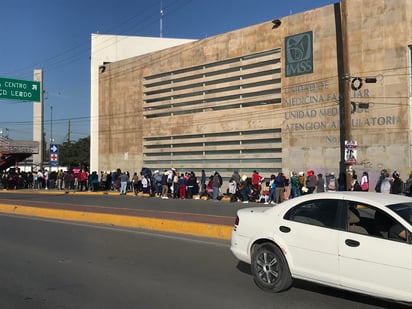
pixel 404 210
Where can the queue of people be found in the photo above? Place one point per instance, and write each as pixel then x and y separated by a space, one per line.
pixel 172 184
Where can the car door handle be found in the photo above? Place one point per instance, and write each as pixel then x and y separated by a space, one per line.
pixel 352 243
pixel 284 229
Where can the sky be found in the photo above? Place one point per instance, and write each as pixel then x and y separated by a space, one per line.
pixel 54 36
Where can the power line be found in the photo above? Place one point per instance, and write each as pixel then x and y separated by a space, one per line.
pixel 132 25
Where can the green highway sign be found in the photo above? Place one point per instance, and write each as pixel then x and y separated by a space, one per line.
pixel 23 90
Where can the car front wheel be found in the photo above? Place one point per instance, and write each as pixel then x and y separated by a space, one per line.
pixel 270 269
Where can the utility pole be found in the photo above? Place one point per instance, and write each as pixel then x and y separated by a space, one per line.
pixel 161 18
pixel 342 48
pixel 51 136
pixel 51 124
pixel 68 133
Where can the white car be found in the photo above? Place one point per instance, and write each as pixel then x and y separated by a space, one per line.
pixel 358 241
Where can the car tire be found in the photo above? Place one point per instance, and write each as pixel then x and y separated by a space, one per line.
pixel 270 269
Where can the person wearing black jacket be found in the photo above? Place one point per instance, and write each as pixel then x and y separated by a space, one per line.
pixel 191 182
pixel 397 184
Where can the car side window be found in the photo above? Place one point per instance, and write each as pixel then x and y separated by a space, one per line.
pixel 321 212
pixel 375 222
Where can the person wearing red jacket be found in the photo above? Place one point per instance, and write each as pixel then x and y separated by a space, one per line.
pixel 82 180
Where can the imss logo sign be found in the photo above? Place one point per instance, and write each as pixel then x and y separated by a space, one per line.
pixel 299 54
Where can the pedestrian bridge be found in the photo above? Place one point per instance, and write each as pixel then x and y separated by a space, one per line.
pixel 12 152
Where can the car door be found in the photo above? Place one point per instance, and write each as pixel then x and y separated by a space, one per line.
pixel 312 241
pixel 375 263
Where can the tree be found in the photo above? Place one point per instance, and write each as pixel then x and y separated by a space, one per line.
pixel 75 155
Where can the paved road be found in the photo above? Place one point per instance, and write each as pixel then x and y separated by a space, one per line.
pixel 46 264
pixel 206 218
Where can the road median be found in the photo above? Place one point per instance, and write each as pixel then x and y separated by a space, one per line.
pixel 159 224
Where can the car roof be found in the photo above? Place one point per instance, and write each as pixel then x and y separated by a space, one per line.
pixel 365 197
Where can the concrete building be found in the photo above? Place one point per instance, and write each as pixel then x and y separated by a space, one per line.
pixel 111 48
pixel 266 97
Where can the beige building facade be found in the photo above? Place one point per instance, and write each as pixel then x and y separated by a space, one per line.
pixel 267 98
pixel 106 49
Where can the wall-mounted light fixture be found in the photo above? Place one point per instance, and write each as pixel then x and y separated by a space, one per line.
pixel 276 23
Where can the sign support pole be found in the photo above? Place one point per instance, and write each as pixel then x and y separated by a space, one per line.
pixel 38 121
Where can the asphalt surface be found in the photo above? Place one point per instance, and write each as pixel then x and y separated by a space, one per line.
pixel 205 218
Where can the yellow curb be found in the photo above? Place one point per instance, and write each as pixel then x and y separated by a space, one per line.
pixel 164 225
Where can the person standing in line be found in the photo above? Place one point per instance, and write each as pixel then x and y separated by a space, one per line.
pixel 124 179
pixel 82 180
pixel 232 190
pixel 355 186
pixel 59 179
pixel 408 185
pixel 302 180
pixel 287 188
pixel 66 181
pixel 157 179
pixel 320 183
pixel 46 179
pixel 165 184
pixel 191 183
pixel 170 174
pixel 295 185
pixel 146 184
pixel 272 190
pixel 365 182
pixel 311 181
pixel 216 185
pixel 280 188
pixel 94 181
pixel 202 190
pixel 386 184
pixel 182 187
pixel 397 183
pixel 175 184
pixel 40 179
pixel 331 182
pixel 135 183
pixel 108 182
pixel 245 189
pixel 342 182
pixel 380 179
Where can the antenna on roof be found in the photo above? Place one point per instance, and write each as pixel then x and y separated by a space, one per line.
pixel 161 18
